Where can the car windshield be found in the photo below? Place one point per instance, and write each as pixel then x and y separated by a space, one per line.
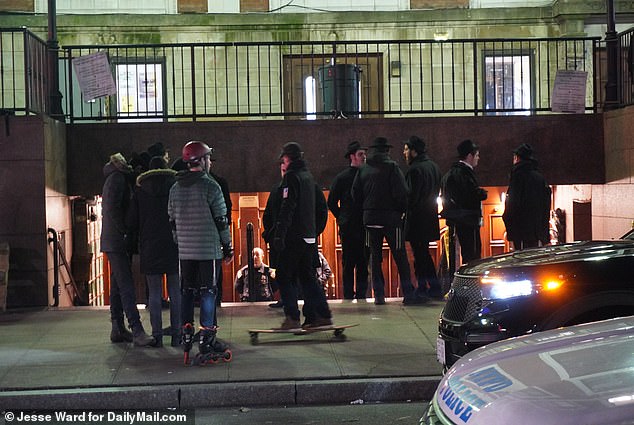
pixel 629 235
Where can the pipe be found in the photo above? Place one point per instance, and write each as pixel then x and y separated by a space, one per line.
pixel 53 240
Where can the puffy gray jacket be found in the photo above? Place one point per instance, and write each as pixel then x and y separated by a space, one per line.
pixel 194 201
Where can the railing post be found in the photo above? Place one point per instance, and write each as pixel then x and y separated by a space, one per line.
pixel 250 263
pixel 54 95
pixel 611 45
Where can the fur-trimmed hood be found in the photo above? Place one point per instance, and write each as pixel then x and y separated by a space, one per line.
pixel 156 182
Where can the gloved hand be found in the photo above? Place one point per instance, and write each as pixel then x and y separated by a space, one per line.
pixel 278 244
pixel 227 252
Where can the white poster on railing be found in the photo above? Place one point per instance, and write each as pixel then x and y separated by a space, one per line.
pixel 94 76
pixel 569 92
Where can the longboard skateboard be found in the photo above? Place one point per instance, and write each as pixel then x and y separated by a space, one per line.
pixel 337 331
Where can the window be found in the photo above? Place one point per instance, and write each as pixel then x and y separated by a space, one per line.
pixel 508 83
pixel 311 98
pixel 139 90
pixel 307 94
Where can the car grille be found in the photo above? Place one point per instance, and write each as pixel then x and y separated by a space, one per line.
pixel 465 299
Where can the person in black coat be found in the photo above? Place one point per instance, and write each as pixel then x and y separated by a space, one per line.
pixel 269 217
pixel 349 215
pixel 297 226
pixel 381 189
pixel 158 252
pixel 421 219
pixel 527 204
pixel 115 235
pixel 462 198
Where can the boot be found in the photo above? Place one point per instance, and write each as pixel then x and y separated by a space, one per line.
pixel 140 338
pixel 188 337
pixel 119 333
pixel 177 339
pixel 209 343
pixel 290 323
pixel 158 341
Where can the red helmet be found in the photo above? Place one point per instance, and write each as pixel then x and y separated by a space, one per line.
pixel 193 151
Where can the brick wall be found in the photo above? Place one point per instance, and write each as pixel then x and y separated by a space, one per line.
pixel 17 6
pixel 254 5
pixel 192 6
pixel 438 4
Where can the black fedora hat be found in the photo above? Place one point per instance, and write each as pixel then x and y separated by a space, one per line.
pixel 417 144
pixel 466 147
pixel 524 151
pixel 353 147
pixel 293 150
pixel 380 142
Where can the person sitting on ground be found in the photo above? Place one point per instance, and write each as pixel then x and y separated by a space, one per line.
pixel 323 272
pixel 263 282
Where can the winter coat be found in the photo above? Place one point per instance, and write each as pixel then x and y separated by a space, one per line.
pixel 461 196
pixel 298 217
pixel 115 202
pixel 381 188
pixel 527 205
pixel 271 211
pixel 194 201
pixel 423 180
pixel 224 186
pixel 349 214
pixel 148 214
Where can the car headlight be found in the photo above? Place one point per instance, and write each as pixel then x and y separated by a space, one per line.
pixel 499 288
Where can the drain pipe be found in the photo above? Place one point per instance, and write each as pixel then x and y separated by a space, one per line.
pixel 53 239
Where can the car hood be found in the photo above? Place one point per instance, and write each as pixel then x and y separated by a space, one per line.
pixel 551 254
pixel 577 375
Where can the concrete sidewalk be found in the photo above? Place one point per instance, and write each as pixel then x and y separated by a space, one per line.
pixel 58 358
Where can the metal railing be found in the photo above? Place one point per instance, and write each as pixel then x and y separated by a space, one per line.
pixel 309 80
pixel 625 69
pixel 23 72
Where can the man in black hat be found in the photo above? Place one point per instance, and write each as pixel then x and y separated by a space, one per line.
pixel 381 189
pixel 527 205
pixel 421 220
pixel 295 239
pixel 349 215
pixel 462 197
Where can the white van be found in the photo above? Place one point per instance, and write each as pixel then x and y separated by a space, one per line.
pixel 578 375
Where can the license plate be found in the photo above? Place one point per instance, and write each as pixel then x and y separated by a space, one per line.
pixel 440 350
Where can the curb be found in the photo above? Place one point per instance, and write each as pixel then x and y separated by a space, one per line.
pixel 187 396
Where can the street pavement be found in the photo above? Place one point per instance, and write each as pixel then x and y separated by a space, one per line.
pixel 63 359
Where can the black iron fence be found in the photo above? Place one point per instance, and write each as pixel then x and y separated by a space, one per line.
pixel 308 80
pixel 23 72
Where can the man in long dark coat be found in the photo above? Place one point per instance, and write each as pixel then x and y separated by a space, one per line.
pixel 421 219
pixel 527 205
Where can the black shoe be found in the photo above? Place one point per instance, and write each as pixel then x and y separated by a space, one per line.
pixel 379 300
pixel 278 304
pixel 317 322
pixel 120 335
pixel 176 340
pixel 415 300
